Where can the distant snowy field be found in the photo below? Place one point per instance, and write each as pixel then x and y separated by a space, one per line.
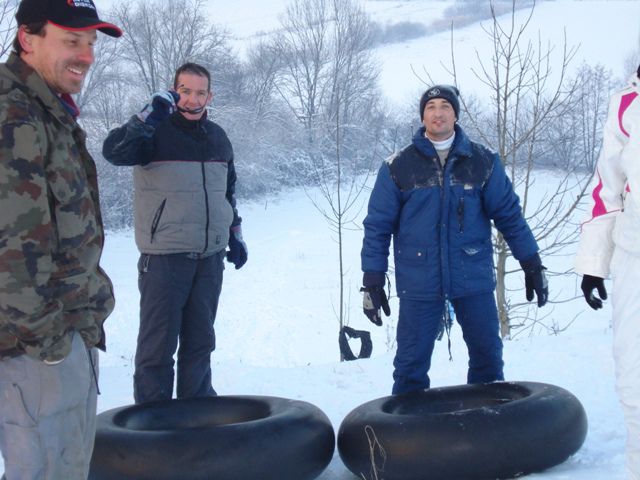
pixel 605 32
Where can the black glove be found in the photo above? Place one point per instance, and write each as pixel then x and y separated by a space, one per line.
pixel 589 284
pixel 374 297
pixel 535 280
pixel 237 253
pixel 161 105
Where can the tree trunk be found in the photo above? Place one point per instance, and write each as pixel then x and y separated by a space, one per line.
pixel 501 290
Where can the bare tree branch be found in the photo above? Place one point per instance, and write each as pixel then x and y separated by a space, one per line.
pixel 7 26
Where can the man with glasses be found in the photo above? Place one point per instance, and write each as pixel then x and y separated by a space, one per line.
pixel 185 217
pixel 437 199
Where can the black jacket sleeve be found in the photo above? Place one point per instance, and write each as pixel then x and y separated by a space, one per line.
pixel 130 144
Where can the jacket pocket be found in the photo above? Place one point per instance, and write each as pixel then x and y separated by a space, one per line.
pixel 73 210
pixel 156 219
pixel 477 267
pixel 412 272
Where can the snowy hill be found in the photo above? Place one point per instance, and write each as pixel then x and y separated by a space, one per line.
pixel 606 32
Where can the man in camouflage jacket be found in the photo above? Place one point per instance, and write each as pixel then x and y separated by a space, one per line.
pixel 54 297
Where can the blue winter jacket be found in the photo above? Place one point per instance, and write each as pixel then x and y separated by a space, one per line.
pixel 440 219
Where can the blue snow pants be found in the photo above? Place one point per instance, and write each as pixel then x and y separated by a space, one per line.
pixel 178 304
pixel 418 325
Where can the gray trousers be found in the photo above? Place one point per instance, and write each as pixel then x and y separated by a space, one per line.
pixel 48 415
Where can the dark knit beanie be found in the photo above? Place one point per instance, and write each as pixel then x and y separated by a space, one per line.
pixel 638 71
pixel 446 92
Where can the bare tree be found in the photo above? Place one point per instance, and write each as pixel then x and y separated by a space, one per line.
pixel 353 73
pixel 260 76
pixel 328 80
pixel 632 61
pixel 107 99
pixel 106 67
pixel 574 138
pixel 160 35
pixel 7 25
pixel 531 99
pixel 303 48
pixel 324 51
pixel 270 160
pixel 341 190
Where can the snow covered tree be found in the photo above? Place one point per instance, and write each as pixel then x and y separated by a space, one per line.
pixel 531 98
pixel 328 79
pixel 161 35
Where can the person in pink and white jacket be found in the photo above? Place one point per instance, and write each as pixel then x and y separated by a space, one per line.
pixel 610 244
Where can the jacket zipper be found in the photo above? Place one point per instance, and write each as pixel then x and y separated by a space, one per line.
pixel 156 219
pixel 206 194
pixel 444 231
pixel 460 212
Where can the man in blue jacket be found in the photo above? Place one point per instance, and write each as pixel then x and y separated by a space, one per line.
pixel 437 198
pixel 185 216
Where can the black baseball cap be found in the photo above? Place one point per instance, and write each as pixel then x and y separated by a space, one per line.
pixel 72 15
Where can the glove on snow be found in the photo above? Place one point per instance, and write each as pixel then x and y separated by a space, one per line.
pixel 374 297
pixel 160 106
pixel 589 284
pixel 237 253
pixel 535 280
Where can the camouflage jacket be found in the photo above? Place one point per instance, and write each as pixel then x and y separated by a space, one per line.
pixel 51 234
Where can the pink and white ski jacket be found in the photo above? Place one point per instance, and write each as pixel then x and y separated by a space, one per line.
pixel 614 208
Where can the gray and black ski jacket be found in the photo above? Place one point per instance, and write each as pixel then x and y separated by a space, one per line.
pixel 184 180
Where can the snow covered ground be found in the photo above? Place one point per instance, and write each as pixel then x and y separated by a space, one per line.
pixel 277 335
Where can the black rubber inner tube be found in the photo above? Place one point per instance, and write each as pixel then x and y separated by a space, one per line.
pixel 222 438
pixel 177 415
pixel 473 432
